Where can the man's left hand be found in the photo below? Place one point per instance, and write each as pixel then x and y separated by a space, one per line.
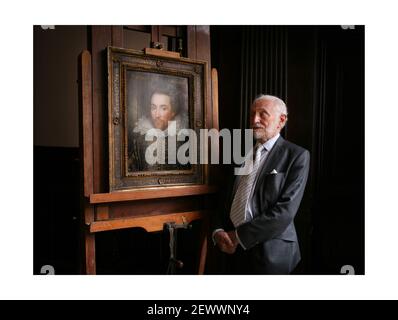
pixel 232 236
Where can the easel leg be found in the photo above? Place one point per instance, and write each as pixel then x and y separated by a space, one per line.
pixel 89 242
pixel 203 247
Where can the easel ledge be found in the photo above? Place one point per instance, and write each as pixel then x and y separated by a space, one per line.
pixel 148 193
pixel 149 223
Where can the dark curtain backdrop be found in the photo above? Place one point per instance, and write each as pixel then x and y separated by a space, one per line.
pixel 319 72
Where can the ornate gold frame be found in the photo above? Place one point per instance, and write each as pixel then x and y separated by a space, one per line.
pixel 119 60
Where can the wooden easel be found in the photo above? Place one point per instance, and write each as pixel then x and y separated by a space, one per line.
pixel 128 209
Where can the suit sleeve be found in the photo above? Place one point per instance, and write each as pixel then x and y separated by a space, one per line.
pixel 220 218
pixel 277 218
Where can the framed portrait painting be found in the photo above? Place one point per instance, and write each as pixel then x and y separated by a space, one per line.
pixel 156 108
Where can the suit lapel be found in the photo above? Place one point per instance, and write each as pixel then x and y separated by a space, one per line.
pixel 273 157
pixel 270 164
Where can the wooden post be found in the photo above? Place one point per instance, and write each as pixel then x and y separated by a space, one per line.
pixel 206 225
pixel 117 36
pixel 203 245
pixel 214 91
pixel 86 142
pixel 89 243
pixel 101 38
pixel 156 34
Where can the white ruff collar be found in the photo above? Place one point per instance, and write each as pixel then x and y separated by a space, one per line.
pixel 144 124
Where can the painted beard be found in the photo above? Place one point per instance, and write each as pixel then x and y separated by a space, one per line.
pixel 160 124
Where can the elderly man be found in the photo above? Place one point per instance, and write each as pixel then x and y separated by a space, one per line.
pixel 257 226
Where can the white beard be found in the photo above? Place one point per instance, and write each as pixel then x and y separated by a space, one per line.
pixel 265 134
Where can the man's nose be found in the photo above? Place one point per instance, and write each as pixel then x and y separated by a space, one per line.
pixel 255 118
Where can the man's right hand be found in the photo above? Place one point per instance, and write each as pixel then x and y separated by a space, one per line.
pixel 224 242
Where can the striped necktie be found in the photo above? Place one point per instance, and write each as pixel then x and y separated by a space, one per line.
pixel 243 190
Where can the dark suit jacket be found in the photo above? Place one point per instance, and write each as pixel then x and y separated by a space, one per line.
pixel 270 238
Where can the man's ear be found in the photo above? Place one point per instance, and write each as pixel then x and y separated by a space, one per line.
pixel 283 119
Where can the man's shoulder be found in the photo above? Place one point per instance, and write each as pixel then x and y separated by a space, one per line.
pixel 292 147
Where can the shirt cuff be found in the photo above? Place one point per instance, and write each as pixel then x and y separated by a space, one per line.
pixel 237 237
pixel 214 233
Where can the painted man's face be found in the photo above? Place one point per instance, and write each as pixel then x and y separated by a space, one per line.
pixel 161 111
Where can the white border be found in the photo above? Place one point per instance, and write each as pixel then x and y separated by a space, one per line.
pixel 16 236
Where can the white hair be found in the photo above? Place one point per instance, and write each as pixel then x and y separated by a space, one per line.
pixel 277 101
